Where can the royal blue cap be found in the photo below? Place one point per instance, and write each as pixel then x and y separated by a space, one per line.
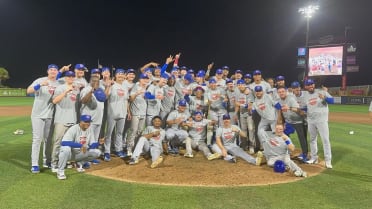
pixel 226 117
pixel 202 71
pixel 257 72
pixel 198 113
pixel 225 68
pixel 239 71
pixel 95 70
pixel 219 71
pixel 182 102
pixel 248 76
pixel 80 67
pixel 200 74
pixel 295 84
pixel 183 68
pixel 229 81
pixel 70 74
pixel 258 88
pixel 131 71
pixel 240 81
pixel 144 76
pixel 119 70
pixel 149 69
pixel 105 69
pixel 191 71
pixel 280 78
pixel 86 118
pixel 52 66
pixel 308 82
pixel 175 68
pixel 212 80
pixel 165 75
pixel 188 77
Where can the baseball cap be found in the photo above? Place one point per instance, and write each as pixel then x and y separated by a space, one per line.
pixel 280 78
pixel 188 77
pixel 226 117
pixel 191 71
pixel 219 71
pixel 86 118
pixel 80 67
pixel 105 69
pixel 198 113
pixel 52 66
pixel 183 68
pixel 199 88
pixel 70 74
pixel 308 82
pixel 148 69
pixel 200 74
pixel 182 102
pixel 165 75
pixel 144 76
pixel 295 84
pixel 257 72
pixel 175 68
pixel 258 88
pixel 240 81
pixel 119 70
pixel 229 80
pixel 95 70
pixel 239 71
pixel 212 80
pixel 201 71
pixel 131 71
pixel 248 76
pixel 225 68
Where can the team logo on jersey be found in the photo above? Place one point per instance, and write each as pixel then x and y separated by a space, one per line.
pixel 199 128
pixel 228 135
pixel 83 140
pixel 313 101
pixel 159 94
pixel 274 142
pixel 73 97
pixel 185 91
pixel 241 100
pixel 170 93
pixel 262 106
pixel 215 96
pixel 120 92
pixel 51 89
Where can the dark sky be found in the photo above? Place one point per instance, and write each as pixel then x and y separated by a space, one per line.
pixel 242 34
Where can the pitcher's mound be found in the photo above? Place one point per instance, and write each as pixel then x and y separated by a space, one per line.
pixel 197 171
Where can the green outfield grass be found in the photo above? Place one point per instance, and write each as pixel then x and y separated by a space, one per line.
pixel 347 185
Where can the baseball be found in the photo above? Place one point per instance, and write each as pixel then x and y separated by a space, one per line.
pixel 351 132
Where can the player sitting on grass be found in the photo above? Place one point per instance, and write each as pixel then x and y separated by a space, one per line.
pixel 152 141
pixel 78 144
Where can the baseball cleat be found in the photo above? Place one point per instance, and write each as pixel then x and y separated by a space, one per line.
pixel 106 157
pixel 95 161
pixel 328 165
pixel 312 161
pixel 35 169
pixel 232 160
pixel 120 154
pixel 133 161
pixel 300 173
pixel 129 152
pixel 61 175
pixel 189 155
pixel 47 165
pixel 214 156
pixel 251 151
pixel 157 162
pixel 259 158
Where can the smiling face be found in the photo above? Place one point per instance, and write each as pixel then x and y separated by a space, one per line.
pixel 282 93
pixel 279 130
pixel 157 122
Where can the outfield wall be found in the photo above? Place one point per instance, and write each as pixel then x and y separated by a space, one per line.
pixel 12 92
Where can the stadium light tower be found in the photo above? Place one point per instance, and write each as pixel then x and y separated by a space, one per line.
pixel 308 12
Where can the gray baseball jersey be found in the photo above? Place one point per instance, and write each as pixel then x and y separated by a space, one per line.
pixel 139 106
pixel 290 116
pixel 265 88
pixel 182 89
pixel 77 135
pixel 242 99
pixel 317 109
pixel 216 97
pixel 43 106
pixel 265 107
pixel 154 105
pixel 168 103
pixel 198 130
pixel 66 108
pixel 89 109
pixel 198 104
pixel 118 102
pixel 228 137
pixel 176 114
pixel 156 140
pixel 231 95
pixel 273 145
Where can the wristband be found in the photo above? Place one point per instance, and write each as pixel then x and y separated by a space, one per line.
pixel 287 142
pixel 37 87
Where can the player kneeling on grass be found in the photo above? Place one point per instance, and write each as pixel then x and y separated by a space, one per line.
pixel 78 144
pixel 277 146
pixel 226 137
pixel 198 135
pixel 152 141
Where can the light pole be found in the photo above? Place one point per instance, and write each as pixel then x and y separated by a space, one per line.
pixel 308 12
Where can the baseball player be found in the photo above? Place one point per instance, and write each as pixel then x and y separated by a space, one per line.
pixel 317 120
pixel 168 103
pixel 138 107
pixel 117 110
pixel 42 115
pixel 175 121
pixel 197 102
pixel 277 146
pixel 231 96
pixel 152 141
pixel 183 86
pixel 217 101
pixel 220 81
pixel 198 135
pixel 78 144
pixel 65 98
pixel 226 137
pixel 157 95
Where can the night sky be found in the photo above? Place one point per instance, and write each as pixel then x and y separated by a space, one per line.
pixel 241 34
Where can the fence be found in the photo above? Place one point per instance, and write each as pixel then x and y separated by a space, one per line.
pixel 12 92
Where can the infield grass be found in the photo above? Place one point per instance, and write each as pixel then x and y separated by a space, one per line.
pixel 347 185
